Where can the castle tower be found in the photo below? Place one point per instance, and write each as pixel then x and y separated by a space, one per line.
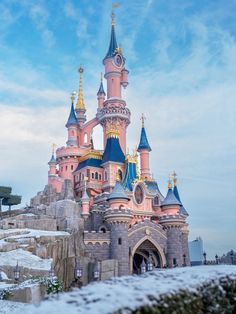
pixel 101 94
pixel 119 217
pixel 185 231
pixel 173 222
pixel 52 173
pixel 80 106
pixel 72 125
pixel 113 109
pixel 144 150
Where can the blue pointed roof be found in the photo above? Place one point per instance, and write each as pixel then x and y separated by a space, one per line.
pixel 52 160
pixel 130 175
pixel 113 44
pixel 143 143
pixel 113 151
pixel 183 211
pixel 72 117
pixel 118 193
pixel 170 199
pixel 90 162
pixel 101 90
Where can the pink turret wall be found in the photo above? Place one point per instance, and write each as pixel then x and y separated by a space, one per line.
pixel 144 164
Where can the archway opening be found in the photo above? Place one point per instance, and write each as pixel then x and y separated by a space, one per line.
pixel 145 251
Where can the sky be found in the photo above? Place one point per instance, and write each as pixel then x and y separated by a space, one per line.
pixel 182 61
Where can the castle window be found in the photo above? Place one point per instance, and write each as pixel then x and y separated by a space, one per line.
pixel 66 168
pixel 100 177
pixel 92 175
pixel 71 167
pixel 85 138
pixel 72 133
pixel 119 241
pixel 105 176
pixel 96 175
pixel 103 229
pixel 61 169
pixel 120 174
pixel 156 201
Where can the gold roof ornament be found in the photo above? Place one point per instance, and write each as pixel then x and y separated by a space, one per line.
pixel 112 129
pixel 170 182
pixel 115 5
pixel 53 148
pixel 80 102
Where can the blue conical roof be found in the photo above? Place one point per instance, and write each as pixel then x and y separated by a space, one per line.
pixel 113 151
pixel 170 199
pixel 118 192
pixel 113 44
pixel 72 117
pixel 52 160
pixel 143 144
pixel 183 211
pixel 101 90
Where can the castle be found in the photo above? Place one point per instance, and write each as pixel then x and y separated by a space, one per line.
pixel 125 216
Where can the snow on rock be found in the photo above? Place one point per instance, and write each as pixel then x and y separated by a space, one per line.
pixel 31 233
pixel 7 307
pixel 24 259
pixel 3 276
pixel 126 294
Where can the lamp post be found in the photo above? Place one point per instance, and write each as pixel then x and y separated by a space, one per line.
pixel 232 256
pixel 17 272
pixel 78 271
pixel 149 263
pixel 204 256
pixel 51 271
pixel 96 272
pixel 143 267
pixel 217 259
pixel 184 259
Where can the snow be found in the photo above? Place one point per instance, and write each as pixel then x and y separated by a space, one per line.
pixel 131 292
pixel 24 259
pixel 3 276
pixel 7 307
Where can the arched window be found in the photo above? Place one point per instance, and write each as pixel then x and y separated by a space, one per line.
pixel 72 133
pixel 120 174
pixel 100 177
pixel 96 175
pixel 71 167
pixel 105 176
pixel 103 229
pixel 66 168
pixel 156 201
pixel 85 138
pixel 119 241
pixel 92 175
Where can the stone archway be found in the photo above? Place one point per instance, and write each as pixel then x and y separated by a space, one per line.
pixel 142 250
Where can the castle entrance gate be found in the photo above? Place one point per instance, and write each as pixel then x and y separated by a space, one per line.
pixel 145 250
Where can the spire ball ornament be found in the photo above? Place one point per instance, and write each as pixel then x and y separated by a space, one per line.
pixel 80 70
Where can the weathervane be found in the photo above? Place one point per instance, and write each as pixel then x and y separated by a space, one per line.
pixel 115 5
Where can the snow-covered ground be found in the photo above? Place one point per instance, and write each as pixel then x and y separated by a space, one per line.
pixel 8 307
pixel 131 292
pixel 29 233
pixel 24 259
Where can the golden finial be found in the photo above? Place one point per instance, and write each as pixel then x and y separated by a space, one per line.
pixel 114 6
pixel 170 182
pixel 53 148
pixel 142 119
pixel 73 94
pixel 174 175
pixel 80 101
pixel 113 129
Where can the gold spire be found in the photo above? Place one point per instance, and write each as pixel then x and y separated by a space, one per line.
pixel 170 182
pixel 53 148
pixel 114 6
pixel 142 119
pixel 80 102
pixel 174 174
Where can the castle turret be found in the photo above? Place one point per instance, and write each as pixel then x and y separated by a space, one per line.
pixel 52 164
pixel 119 217
pixel 173 223
pixel 80 106
pixel 72 124
pixel 101 94
pixel 114 108
pixel 144 150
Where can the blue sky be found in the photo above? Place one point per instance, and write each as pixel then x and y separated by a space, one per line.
pixel 182 61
